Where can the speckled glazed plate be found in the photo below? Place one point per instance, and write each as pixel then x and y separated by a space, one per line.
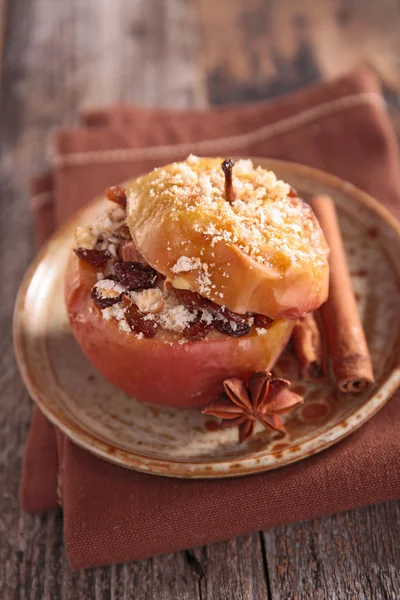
pixel 182 442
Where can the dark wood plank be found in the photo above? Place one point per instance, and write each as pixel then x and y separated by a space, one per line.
pixel 15 407
pixel 57 59
pixel 252 49
pixel 233 570
pixel 60 56
pixel 350 555
pixel 3 9
pixel 64 62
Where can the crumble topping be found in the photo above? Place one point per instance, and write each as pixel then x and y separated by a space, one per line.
pixel 164 307
pixel 109 288
pixel 265 220
pixel 185 264
pixel 104 233
pixel 117 312
pixel 261 331
pixel 139 298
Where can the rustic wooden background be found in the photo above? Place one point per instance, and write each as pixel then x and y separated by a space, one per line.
pixel 58 55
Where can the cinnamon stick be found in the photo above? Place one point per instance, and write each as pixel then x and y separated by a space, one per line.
pixel 310 346
pixel 351 361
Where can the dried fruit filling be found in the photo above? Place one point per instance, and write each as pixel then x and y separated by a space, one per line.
pixel 139 298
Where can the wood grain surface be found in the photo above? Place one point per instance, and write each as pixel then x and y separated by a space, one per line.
pixel 59 56
pixel 2 28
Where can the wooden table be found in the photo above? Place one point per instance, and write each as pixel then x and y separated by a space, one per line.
pixel 59 55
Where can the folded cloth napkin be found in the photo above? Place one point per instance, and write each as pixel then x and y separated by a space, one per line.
pixel 113 515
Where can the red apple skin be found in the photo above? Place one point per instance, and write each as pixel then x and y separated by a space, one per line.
pixel 168 374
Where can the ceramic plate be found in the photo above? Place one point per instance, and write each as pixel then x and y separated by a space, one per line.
pixel 182 442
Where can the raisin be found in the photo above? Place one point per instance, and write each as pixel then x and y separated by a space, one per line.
pixel 96 258
pixel 101 301
pixel 231 316
pixel 226 327
pixel 137 322
pixel 198 330
pixel 135 275
pixel 192 300
pixel 262 321
pixel 116 194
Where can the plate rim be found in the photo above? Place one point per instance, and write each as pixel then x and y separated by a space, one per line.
pixel 228 468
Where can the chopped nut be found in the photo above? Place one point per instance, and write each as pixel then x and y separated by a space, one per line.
pixel 167 285
pixel 128 252
pixel 148 301
pixel 85 238
pixel 126 300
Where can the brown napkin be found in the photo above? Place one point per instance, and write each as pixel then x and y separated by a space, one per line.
pixel 113 515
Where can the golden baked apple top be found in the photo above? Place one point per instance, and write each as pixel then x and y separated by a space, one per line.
pixel 234 233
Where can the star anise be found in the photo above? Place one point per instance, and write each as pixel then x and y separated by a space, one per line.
pixel 263 399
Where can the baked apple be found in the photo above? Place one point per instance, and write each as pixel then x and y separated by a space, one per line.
pixel 194 274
